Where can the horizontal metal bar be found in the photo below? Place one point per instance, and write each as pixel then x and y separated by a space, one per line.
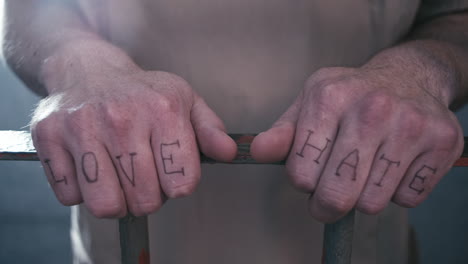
pixel 17 145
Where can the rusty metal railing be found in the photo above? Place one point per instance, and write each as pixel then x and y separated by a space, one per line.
pixel 134 242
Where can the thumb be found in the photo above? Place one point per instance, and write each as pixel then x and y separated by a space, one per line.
pixel 211 133
pixel 274 144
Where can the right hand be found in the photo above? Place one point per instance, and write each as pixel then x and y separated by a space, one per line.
pixel 122 139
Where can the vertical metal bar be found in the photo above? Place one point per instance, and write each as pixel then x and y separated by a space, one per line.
pixel 134 242
pixel 338 240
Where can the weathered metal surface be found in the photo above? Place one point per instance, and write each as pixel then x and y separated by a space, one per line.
pixel 16 145
pixel 337 240
pixel 134 241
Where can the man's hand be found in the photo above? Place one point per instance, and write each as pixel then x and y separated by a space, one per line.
pixel 120 138
pixel 361 137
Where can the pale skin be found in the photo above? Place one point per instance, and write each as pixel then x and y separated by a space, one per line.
pixel 355 137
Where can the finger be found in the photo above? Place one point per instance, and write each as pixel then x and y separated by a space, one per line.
pixel 421 177
pixel 413 137
pixel 57 162
pixel 211 133
pixel 346 171
pixel 274 144
pixel 98 180
pixel 392 161
pixel 136 170
pixel 388 168
pixel 176 155
pixel 60 171
pixel 313 142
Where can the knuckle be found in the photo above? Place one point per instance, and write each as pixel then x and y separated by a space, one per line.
pixel 336 203
pixel 116 117
pixel 45 130
pixel 105 208
pixel 375 109
pixel 411 124
pixel 370 207
pixel 326 96
pixel 167 104
pixel 327 73
pixel 77 120
pixel 405 200
pixel 447 134
pixel 181 190
pixel 69 200
pixel 170 80
pixel 145 208
pixel 300 180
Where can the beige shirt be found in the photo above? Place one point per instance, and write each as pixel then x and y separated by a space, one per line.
pixel 248 59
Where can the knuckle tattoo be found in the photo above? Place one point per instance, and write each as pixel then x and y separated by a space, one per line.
pixel 129 174
pixel 166 151
pixel 54 179
pixel 319 149
pixel 351 161
pixel 90 167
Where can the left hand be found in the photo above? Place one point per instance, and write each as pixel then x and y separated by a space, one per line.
pixel 360 137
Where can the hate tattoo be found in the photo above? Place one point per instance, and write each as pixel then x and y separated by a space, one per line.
pixel 54 179
pixel 417 183
pixel 389 164
pixel 352 161
pixel 90 167
pixel 130 178
pixel 168 159
pixel 307 144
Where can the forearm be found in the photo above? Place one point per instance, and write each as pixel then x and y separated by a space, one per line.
pixel 39 34
pixel 435 54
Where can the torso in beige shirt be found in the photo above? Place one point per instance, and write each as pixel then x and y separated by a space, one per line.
pixel 248 59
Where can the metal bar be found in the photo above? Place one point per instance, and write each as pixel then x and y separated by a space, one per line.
pixel 17 145
pixel 338 240
pixel 134 241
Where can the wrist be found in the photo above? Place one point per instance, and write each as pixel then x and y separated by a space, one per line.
pixel 421 64
pixel 81 59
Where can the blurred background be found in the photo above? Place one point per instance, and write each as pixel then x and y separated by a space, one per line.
pixel 34 227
